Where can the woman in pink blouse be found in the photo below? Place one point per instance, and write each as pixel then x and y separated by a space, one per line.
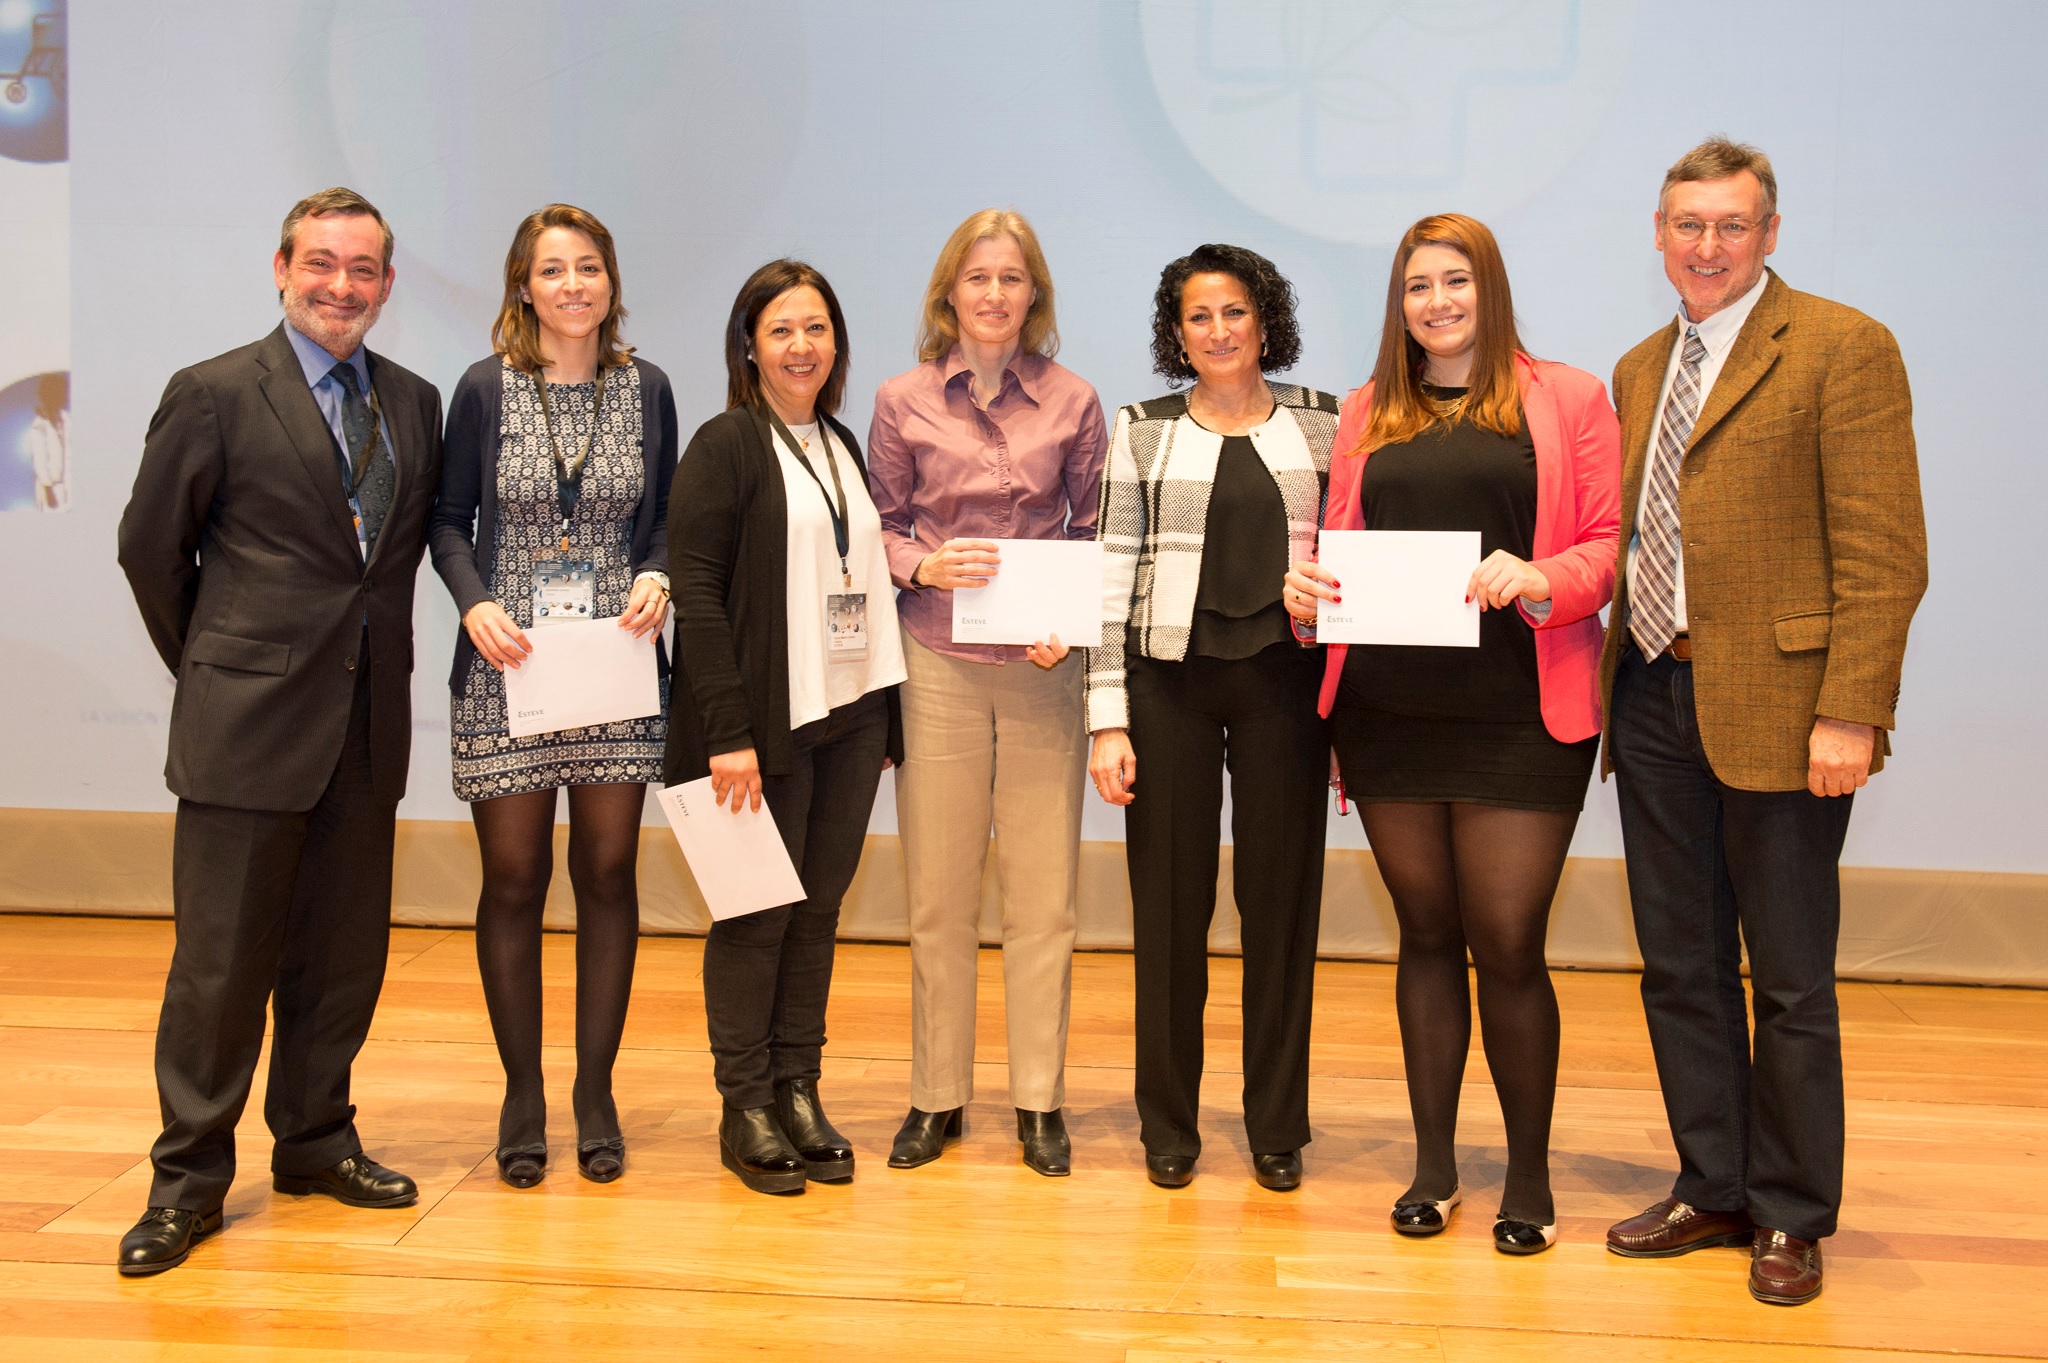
pixel 986 440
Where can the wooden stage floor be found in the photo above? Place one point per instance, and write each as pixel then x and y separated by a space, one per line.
pixel 1944 1244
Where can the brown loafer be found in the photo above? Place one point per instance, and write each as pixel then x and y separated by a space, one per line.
pixel 1673 1227
pixel 1784 1270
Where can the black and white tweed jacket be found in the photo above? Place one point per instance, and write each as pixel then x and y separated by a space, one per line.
pixel 1155 512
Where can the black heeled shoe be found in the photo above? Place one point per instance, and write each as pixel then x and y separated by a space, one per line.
pixel 602 1159
pixel 751 1144
pixel 1422 1216
pixel 826 1155
pixel 923 1135
pixel 1281 1172
pixel 1046 1147
pixel 522 1166
pixel 1170 1171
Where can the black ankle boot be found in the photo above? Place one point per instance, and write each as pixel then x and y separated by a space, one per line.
pixel 751 1144
pixel 826 1155
pixel 1046 1147
pixel 922 1136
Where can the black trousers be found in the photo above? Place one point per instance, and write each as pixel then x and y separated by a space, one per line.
pixel 1758 1123
pixel 1189 722
pixel 289 908
pixel 767 975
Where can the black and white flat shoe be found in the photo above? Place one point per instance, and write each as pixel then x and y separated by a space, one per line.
pixel 1423 1217
pixel 1522 1237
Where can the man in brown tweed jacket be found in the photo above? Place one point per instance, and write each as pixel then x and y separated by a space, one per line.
pixel 1773 553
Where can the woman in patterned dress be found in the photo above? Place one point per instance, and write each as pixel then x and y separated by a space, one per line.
pixel 560 446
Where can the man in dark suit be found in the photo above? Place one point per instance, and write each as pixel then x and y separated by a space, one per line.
pixel 1773 552
pixel 271 542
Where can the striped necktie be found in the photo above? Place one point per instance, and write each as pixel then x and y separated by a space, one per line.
pixel 1653 594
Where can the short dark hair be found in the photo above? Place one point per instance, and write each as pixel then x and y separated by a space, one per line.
pixel 1272 300
pixel 339 199
pixel 764 286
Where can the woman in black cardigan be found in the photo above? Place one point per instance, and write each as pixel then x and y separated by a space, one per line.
pixel 787 661
pixel 559 446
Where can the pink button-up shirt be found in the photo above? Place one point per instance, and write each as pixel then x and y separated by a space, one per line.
pixel 940 468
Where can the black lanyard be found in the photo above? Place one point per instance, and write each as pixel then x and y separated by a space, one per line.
pixel 837 511
pixel 568 472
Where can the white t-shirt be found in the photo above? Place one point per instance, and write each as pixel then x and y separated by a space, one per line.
pixel 816 685
pixel 1718 335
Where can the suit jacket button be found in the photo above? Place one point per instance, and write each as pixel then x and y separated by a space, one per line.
pixel 350 664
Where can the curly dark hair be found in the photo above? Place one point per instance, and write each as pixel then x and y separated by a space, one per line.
pixel 1272 301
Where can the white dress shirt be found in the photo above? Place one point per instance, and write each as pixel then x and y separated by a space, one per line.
pixel 1718 335
pixel 819 684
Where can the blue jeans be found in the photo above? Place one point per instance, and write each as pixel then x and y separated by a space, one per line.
pixel 1712 869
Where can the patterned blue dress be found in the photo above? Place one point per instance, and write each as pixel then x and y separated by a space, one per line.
pixel 488 761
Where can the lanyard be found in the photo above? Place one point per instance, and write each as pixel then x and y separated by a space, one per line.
pixel 568 472
pixel 838 511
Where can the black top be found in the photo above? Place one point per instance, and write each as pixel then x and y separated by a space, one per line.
pixel 464 532
pixel 1455 477
pixel 1244 559
pixel 728 537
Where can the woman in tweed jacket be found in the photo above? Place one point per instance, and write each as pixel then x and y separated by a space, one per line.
pixel 1206 498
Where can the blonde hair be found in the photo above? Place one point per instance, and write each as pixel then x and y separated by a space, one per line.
pixel 1400 410
pixel 516 333
pixel 1717 158
pixel 938 330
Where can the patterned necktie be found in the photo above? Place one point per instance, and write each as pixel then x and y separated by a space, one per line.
pixel 371 474
pixel 1653 595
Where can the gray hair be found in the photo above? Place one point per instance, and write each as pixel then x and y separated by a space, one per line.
pixel 1717 158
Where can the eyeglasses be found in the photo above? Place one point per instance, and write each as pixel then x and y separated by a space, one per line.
pixel 1731 231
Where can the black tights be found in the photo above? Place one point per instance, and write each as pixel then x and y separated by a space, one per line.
pixel 1476 876
pixel 516 836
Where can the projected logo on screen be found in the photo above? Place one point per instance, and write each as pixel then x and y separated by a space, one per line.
pixel 34 81
pixel 1349 119
pixel 35 444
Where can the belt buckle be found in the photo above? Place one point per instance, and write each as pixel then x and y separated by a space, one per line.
pixel 1680 648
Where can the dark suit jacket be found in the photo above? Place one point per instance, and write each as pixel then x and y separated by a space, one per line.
pixel 464 531
pixel 728 546
pixel 241 550
pixel 1805 548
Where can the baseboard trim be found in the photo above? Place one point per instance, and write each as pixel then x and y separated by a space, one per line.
pixel 1974 927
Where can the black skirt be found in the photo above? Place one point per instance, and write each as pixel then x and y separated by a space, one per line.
pixel 1420 759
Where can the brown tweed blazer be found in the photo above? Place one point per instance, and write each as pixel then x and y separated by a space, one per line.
pixel 1805 549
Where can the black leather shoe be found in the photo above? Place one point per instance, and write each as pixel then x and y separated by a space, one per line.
pixel 1522 1237
pixel 1046 1147
pixel 162 1239
pixel 1281 1172
pixel 923 1135
pixel 826 1155
pixel 601 1160
pixel 751 1144
pixel 357 1181
pixel 1170 1171
pixel 523 1167
pixel 1422 1216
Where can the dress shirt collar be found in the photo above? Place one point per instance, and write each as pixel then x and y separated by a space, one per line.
pixel 1019 367
pixel 318 364
pixel 1719 331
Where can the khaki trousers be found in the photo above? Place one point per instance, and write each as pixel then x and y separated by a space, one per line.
pixel 1003 747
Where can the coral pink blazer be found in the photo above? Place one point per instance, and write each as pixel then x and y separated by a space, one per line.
pixel 1578 519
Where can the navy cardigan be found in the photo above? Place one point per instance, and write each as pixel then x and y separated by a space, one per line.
pixel 463 534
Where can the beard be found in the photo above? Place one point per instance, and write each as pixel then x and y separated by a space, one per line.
pixel 336 336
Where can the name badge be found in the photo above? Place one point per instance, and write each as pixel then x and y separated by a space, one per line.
pixel 846 627
pixel 564 589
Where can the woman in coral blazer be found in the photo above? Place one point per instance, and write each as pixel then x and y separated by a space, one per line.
pixel 1469 765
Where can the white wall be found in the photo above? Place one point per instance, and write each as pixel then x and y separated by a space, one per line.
pixel 1909 141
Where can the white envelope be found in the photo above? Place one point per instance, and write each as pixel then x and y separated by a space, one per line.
pixel 738 859
pixel 581 672
pixel 1400 587
pixel 1043 587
